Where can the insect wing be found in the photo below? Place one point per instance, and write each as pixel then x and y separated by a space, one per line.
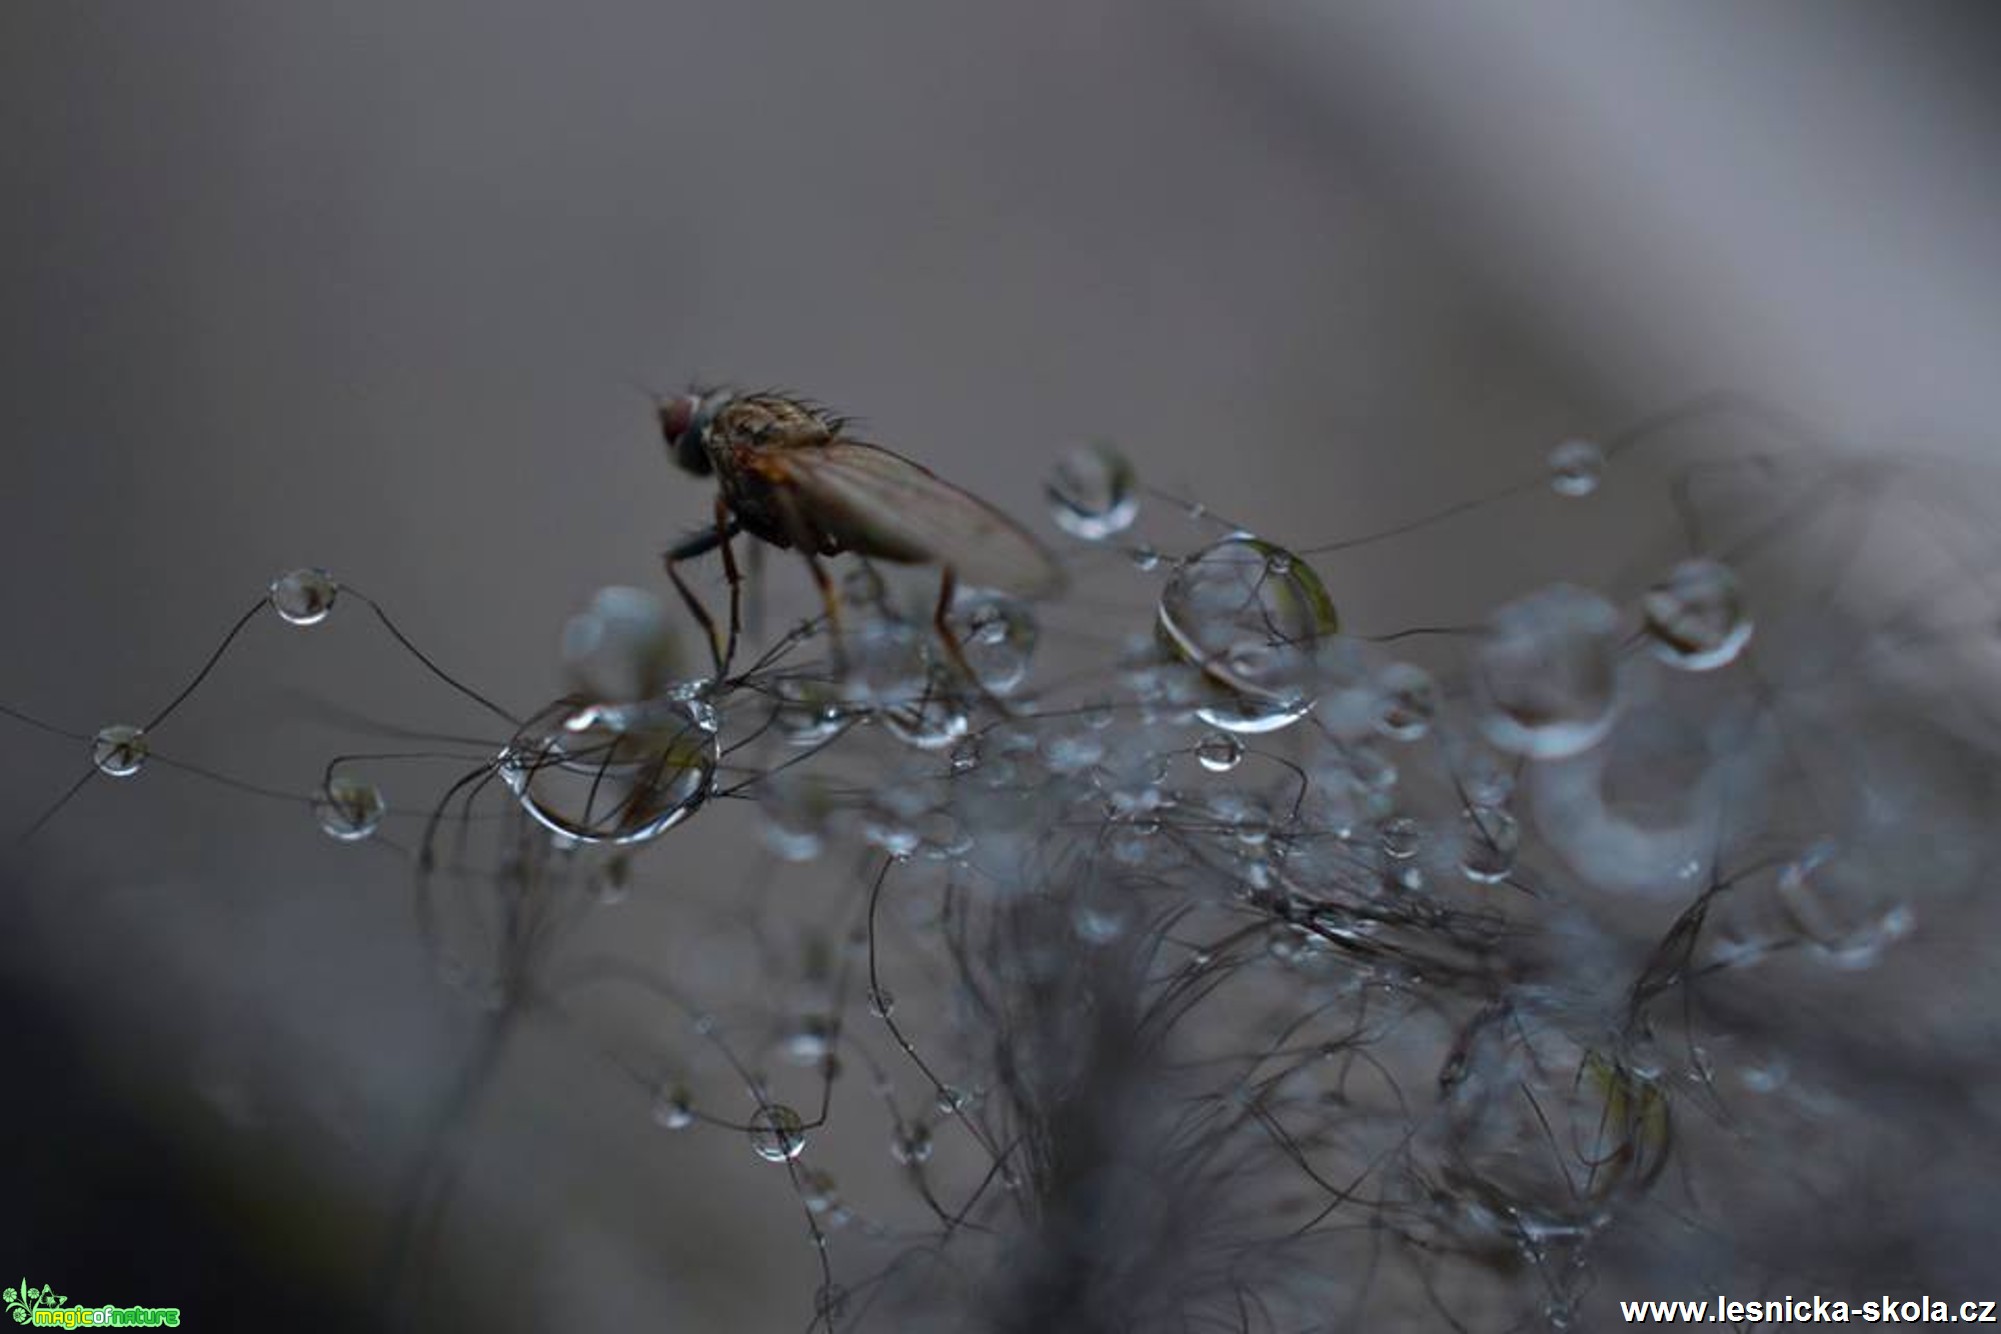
pixel 879 498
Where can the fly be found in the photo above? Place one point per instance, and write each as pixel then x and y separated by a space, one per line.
pixel 788 474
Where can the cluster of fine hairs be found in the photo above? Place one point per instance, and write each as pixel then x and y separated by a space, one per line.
pixel 1212 964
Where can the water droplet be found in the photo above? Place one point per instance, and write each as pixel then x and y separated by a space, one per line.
pixel 1401 838
pixel 931 723
pixel 953 1100
pixel 890 822
pixel 1252 633
pixel 304 596
pixel 1576 467
pixel 119 750
pixel 1409 701
pixel 966 754
pixel 810 1041
pixel 1695 618
pixel 1219 752
pixel 1546 674
pixel 1070 752
pixel 1848 915
pixel 882 1002
pixel 612 774
pixel 798 812
pixel 777 1134
pixel 1145 559
pixel 809 714
pixel 349 809
pixel 1490 837
pixel 911 1145
pixel 887 665
pixel 619 647
pixel 996 634
pixel 673 1109
pixel 1093 493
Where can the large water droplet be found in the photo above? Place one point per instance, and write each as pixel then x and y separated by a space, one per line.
pixel 1093 493
pixel 612 774
pixel 777 1134
pixel 304 596
pixel 349 809
pixel 1546 674
pixel 1252 626
pixel 619 647
pixel 1695 618
pixel 1576 467
pixel 119 750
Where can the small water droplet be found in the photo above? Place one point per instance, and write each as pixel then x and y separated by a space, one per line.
pixel 911 1145
pixel 1093 493
pixel 1219 752
pixel 1576 467
pixel 304 596
pixel 1490 837
pixel 777 1133
pixel 1145 559
pixel 798 810
pixel 882 1002
pixel 673 1109
pixel 1409 701
pixel 349 809
pixel 1401 837
pixel 119 750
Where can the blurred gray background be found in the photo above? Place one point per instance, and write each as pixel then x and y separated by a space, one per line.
pixel 377 286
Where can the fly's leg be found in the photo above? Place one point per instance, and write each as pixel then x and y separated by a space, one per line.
pixel 726 528
pixel 701 544
pixel 948 584
pixel 832 599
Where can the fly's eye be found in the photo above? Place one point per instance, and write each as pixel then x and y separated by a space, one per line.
pixel 678 416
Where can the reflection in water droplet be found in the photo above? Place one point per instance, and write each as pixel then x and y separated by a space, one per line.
pixel 304 596
pixel 1093 493
pixel 1695 618
pixel 612 774
pixel 349 809
pixel 119 750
